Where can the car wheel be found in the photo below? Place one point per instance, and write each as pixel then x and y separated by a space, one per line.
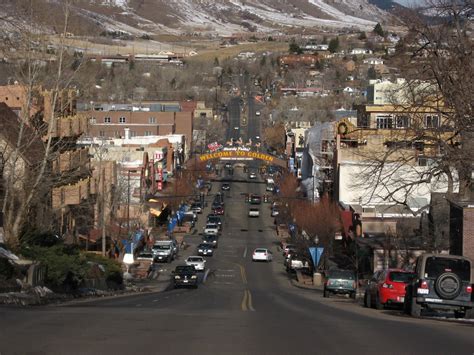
pixel 415 308
pixel 366 305
pixel 326 293
pixel 378 304
pixel 369 300
pixel 469 313
pixel 459 314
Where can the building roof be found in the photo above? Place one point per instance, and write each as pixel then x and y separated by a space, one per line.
pixel 30 143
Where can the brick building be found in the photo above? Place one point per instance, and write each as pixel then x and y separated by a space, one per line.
pixel 113 121
pixel 67 181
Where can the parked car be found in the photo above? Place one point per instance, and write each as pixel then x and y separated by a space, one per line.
pixel 164 250
pixel 185 275
pixel 211 239
pixel 254 212
pixel 218 210
pixel 275 212
pixel 387 287
pixel 442 282
pixel 270 187
pixel 340 282
pixel 205 249
pixel 211 228
pixel 287 248
pixel 196 208
pixel 225 187
pixel 146 256
pixel 198 262
pixel 262 254
pixel 295 261
pixel 252 175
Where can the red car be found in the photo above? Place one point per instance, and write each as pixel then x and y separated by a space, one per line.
pixel 387 287
pixel 218 210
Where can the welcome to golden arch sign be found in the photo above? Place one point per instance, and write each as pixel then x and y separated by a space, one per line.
pixel 244 155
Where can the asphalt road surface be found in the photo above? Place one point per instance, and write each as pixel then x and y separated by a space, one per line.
pixel 242 308
pixel 234 118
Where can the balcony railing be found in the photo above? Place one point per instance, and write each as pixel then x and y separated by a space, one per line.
pixel 71 194
pixel 72 160
pixel 71 126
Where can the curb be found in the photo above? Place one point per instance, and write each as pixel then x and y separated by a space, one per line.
pixel 306 287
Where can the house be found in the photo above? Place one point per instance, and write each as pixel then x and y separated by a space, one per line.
pixel 293 60
pixel 373 61
pixel 360 51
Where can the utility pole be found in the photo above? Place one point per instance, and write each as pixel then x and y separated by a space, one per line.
pixel 104 244
pixel 128 203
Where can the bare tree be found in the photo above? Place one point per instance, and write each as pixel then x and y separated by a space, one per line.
pixel 31 74
pixel 436 101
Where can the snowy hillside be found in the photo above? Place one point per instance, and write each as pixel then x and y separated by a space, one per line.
pixel 224 16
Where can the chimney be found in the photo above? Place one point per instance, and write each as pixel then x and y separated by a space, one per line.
pixel 127 133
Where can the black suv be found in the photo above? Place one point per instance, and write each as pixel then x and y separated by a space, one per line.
pixel 185 275
pixel 442 282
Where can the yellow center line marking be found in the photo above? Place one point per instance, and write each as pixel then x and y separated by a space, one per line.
pixel 243 305
pixel 246 304
pixel 249 301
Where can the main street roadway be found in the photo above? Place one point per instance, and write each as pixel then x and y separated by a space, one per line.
pixel 242 308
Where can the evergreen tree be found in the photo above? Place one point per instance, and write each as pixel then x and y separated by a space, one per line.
pixel 334 45
pixel 295 48
pixel 378 30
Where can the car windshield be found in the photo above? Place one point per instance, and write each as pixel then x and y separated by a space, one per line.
pixel 260 250
pixel 203 246
pixel 183 269
pixel 145 255
pixel 195 259
pixel 436 266
pixel 405 277
pixel 341 274
pixel 161 247
pixel 211 226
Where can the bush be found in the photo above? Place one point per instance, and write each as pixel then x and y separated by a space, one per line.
pixel 67 267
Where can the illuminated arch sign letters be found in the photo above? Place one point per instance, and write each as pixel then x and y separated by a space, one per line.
pixel 243 155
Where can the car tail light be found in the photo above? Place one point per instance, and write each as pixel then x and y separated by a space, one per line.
pixel 469 289
pixel 386 285
pixel 424 285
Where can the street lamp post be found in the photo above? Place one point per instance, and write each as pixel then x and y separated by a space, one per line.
pixel 128 199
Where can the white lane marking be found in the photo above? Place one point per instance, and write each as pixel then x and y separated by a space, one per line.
pixel 155 300
pixel 225 275
pixel 205 275
pixel 245 252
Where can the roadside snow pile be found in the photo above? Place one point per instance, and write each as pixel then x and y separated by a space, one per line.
pixel 463 320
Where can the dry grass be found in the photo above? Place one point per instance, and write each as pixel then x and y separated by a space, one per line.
pixel 223 53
